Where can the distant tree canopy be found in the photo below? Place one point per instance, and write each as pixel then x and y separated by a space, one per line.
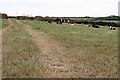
pixel 3 16
pixel 113 17
pixel 25 18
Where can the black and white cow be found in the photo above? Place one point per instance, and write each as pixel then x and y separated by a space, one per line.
pixel 112 28
pixel 59 20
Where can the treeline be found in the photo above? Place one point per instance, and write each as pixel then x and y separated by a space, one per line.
pixel 3 16
pixel 109 18
pixel 77 20
pixel 101 23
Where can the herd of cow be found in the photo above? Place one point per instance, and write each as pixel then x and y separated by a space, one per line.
pixel 60 21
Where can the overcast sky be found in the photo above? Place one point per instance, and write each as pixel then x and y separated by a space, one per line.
pixel 66 8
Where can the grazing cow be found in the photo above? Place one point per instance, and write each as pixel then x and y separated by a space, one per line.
pixel 72 22
pixel 49 21
pixel 95 26
pixel 112 28
pixel 68 21
pixel 59 21
pixel 89 25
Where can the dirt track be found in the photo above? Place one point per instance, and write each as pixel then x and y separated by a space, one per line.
pixel 53 53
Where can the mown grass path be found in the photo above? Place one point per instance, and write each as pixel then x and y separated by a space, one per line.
pixel 54 55
pixel 19 54
pixel 28 52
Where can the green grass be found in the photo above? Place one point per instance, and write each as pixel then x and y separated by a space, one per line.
pixel 97 47
pixel 78 35
pixel 20 54
pixel 0 22
pixel 4 23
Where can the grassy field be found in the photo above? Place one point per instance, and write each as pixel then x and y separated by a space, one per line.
pixel 96 49
pixel 81 36
pixel 4 23
pixel 0 23
pixel 19 54
pixel 91 52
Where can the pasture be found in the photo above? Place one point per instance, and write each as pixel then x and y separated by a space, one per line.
pixel 19 58
pixel 81 37
pixel 4 23
pixel 87 52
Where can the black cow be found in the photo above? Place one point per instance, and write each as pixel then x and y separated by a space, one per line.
pixel 95 26
pixel 49 21
pixel 112 28
pixel 59 20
